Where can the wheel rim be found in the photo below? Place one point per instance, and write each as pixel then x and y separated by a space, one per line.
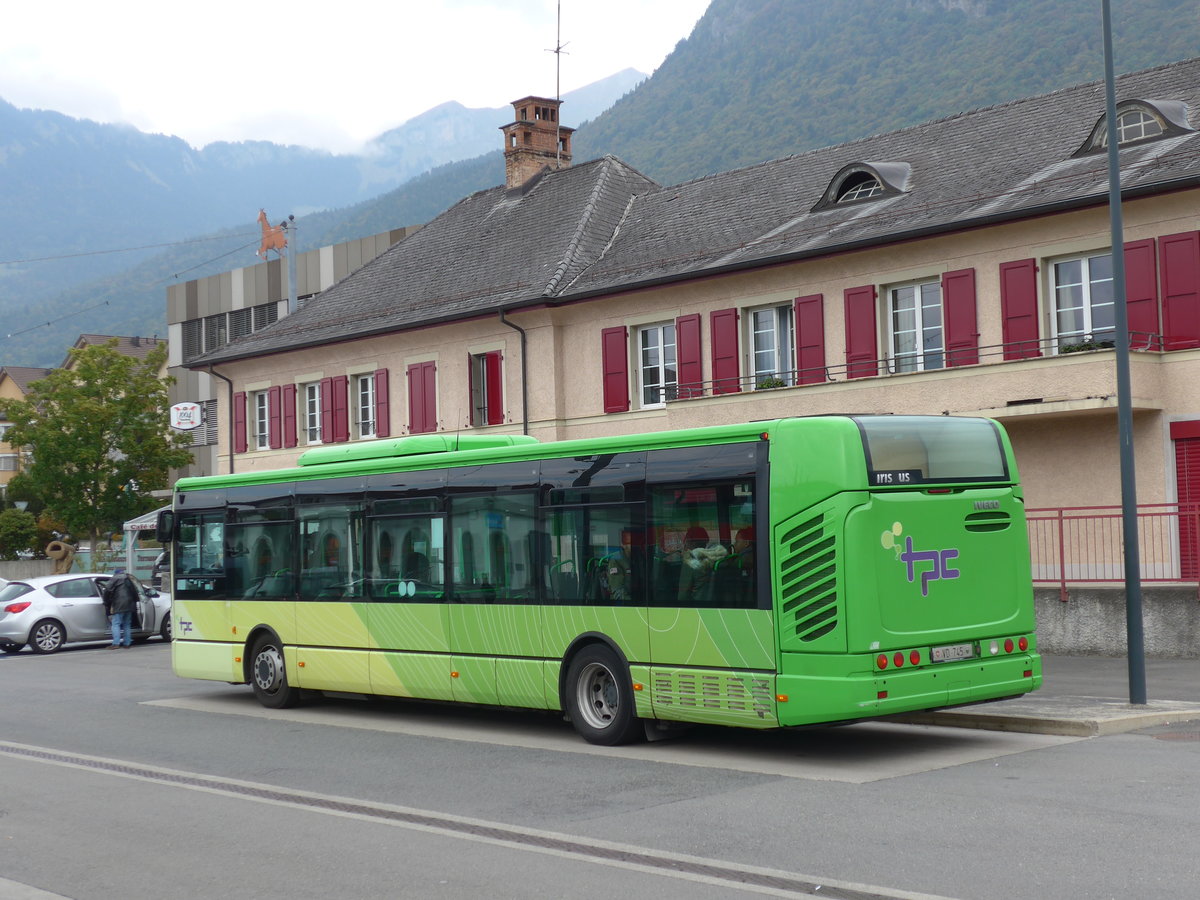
pixel 598 696
pixel 47 636
pixel 268 670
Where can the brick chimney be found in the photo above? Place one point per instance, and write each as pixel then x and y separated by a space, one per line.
pixel 535 140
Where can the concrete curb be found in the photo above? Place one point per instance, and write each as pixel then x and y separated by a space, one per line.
pixel 1068 716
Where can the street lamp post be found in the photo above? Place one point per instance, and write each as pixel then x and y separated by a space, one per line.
pixel 1133 580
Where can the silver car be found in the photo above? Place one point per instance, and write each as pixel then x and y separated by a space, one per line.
pixel 52 610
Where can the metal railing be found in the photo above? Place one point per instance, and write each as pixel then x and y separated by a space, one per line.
pixel 1084 544
pixel 905 364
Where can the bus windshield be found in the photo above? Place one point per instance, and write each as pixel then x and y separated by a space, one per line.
pixel 918 450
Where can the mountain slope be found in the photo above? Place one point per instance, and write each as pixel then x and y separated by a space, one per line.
pixel 757 79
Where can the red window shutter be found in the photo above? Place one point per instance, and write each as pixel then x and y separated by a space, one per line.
pixel 239 422
pixel 275 417
pixel 1186 438
pixel 862 345
pixel 341 408
pixel 962 333
pixel 326 410
pixel 809 314
pixel 726 366
pixel 422 397
pixel 288 414
pixel 614 352
pixel 1141 294
pixel 1018 309
pixel 690 365
pixel 383 414
pixel 1179 256
pixel 495 387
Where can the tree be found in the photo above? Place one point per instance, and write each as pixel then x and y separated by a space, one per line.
pixel 98 436
pixel 18 531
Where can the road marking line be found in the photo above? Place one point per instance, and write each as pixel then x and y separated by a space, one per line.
pixel 852 754
pixel 754 879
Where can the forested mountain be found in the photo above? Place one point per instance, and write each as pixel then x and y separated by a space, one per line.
pixel 70 187
pixel 757 79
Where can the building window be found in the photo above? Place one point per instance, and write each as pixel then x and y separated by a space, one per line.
pixel 214 332
pixel 206 432
pixel 657 365
pixel 859 187
pixel 193 339
pixel 265 314
pixel 1082 289
pixel 365 407
pixel 772 342
pixel 915 318
pixel 312 412
pixel 9 462
pixel 262 420
pixel 241 323
pixel 487 389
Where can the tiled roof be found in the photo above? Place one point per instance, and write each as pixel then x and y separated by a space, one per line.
pixel 495 249
pixel 23 376
pixel 137 347
pixel 601 227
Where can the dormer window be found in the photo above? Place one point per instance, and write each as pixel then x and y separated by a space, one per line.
pixel 860 182
pixel 859 186
pixel 1138 121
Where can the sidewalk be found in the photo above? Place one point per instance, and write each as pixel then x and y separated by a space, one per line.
pixel 1082 696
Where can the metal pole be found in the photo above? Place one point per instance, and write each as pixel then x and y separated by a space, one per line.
pixel 289 228
pixel 1133 579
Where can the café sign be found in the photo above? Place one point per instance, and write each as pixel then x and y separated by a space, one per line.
pixel 185 416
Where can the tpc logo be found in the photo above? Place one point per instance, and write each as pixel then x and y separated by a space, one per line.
pixel 940 559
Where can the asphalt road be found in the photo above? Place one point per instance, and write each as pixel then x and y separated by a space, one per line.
pixel 118 780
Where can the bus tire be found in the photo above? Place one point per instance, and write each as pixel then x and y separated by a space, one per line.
pixel 268 675
pixel 600 698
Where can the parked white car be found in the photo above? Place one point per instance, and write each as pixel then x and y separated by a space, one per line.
pixel 52 610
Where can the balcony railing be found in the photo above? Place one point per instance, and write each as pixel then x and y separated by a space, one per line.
pixel 903 364
pixel 1085 544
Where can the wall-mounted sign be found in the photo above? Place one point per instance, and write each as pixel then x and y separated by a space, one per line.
pixel 185 416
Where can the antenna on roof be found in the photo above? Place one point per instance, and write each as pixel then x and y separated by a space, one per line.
pixel 558 54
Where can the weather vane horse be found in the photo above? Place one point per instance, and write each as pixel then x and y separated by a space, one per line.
pixel 273 236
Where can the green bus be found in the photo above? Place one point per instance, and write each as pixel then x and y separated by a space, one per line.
pixel 771 574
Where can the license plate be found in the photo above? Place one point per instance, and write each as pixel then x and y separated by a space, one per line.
pixel 952 652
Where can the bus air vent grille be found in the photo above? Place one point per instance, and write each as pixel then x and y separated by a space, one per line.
pixel 808 579
pixel 991 520
pixel 706 690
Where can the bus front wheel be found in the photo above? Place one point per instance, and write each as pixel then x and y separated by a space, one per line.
pixel 268 676
pixel 600 698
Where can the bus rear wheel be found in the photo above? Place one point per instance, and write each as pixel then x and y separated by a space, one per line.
pixel 268 676
pixel 600 698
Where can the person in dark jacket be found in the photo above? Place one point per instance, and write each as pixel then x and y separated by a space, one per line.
pixel 120 602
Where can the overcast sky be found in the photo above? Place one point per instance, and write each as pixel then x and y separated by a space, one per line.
pixel 330 74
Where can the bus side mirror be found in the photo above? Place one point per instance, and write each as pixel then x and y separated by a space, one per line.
pixel 164 528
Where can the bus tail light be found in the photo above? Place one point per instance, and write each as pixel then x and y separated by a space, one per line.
pixel 1023 644
pixel 881 660
pixel 18 607
pixel 914 657
pixel 898 659
pixel 1008 645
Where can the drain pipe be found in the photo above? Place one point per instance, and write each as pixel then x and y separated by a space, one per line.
pixel 213 372
pixel 524 374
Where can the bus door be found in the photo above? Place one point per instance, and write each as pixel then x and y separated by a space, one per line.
pixel 407 617
pixel 204 644
pixel 495 619
pixel 331 618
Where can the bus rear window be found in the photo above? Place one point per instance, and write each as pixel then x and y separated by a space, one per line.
pixel 904 450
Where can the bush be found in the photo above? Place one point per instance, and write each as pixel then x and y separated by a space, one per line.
pixel 18 532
